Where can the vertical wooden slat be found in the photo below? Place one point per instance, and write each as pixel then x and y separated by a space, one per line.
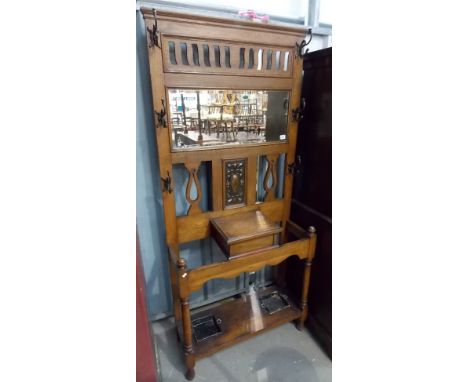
pixel 216 188
pixel 235 57
pixel 190 54
pixel 221 56
pixel 201 55
pixel 255 50
pixel 252 179
pixel 275 53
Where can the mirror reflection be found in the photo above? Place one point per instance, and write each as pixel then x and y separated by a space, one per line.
pixel 227 117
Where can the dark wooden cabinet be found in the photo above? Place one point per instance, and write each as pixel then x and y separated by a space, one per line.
pixel 312 191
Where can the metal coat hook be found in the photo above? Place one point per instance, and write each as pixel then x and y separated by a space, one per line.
pixel 167 187
pixel 161 115
pixel 298 113
pixel 300 47
pixel 154 33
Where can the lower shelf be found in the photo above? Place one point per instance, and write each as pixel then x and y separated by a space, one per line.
pixel 240 319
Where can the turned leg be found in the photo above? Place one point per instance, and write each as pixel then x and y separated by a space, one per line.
pixel 305 294
pixel 188 349
pixel 186 322
pixel 306 279
pixel 175 296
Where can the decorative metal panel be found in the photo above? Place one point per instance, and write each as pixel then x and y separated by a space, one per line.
pixel 234 182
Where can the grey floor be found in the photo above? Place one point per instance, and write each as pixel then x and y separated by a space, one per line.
pixel 281 354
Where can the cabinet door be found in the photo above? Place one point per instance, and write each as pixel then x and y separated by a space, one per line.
pixel 311 204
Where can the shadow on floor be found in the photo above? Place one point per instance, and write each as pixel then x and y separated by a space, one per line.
pixel 281 364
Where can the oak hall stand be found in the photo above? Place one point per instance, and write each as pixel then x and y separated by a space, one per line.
pixel 227 92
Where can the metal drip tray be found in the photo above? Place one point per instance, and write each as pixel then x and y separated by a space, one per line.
pixel 206 327
pixel 274 302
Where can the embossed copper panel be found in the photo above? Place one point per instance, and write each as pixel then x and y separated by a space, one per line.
pixel 234 182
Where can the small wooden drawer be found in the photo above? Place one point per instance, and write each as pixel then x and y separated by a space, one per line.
pixel 242 233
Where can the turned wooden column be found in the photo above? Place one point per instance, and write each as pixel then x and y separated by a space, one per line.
pixel 175 295
pixel 306 278
pixel 186 321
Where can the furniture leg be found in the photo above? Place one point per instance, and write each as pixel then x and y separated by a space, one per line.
pixel 186 324
pixel 175 296
pixel 306 279
pixel 305 293
pixel 188 349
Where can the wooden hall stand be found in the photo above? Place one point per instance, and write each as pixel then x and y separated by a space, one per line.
pixel 201 53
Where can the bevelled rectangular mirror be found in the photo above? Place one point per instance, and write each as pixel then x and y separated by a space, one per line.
pixel 213 118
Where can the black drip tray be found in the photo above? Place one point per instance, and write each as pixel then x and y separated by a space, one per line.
pixel 274 302
pixel 206 327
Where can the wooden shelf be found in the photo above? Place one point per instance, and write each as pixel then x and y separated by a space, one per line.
pixel 241 318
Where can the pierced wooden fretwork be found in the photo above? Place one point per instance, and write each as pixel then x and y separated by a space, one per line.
pixel 234 182
pixel 194 207
pixel 219 57
pixel 270 173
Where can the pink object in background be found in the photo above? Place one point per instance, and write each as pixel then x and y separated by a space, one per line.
pixel 251 15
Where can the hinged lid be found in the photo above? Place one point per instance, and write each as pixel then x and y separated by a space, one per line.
pixel 234 232
pixel 244 226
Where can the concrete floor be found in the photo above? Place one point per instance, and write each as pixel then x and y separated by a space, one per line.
pixel 281 354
